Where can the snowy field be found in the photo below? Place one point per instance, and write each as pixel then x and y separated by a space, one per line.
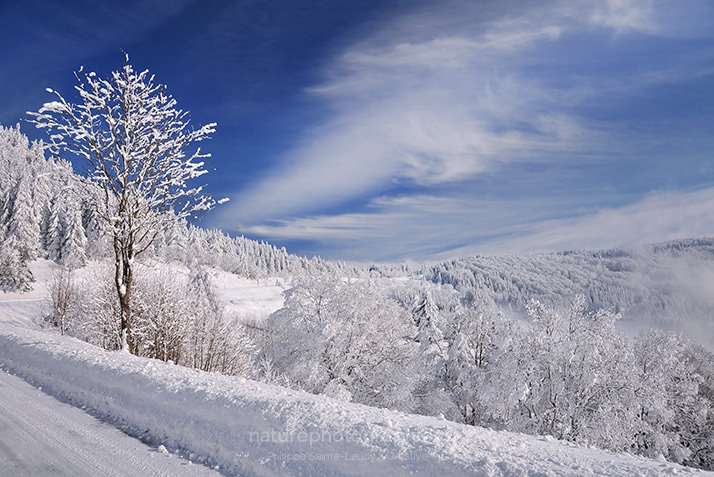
pixel 249 298
pixel 242 427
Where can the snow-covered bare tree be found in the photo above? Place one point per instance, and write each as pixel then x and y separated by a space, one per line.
pixel 139 149
pixel 345 340
pixel 64 298
pixel 577 372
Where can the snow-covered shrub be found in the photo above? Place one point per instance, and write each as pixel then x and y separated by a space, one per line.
pixel 676 409
pixel 698 422
pixel 162 314
pixel 215 341
pixel 577 372
pixel 177 317
pixel 64 298
pixel 96 318
pixel 478 340
pixel 346 340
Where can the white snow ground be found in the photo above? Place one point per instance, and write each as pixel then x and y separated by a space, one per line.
pixel 249 428
pixel 40 436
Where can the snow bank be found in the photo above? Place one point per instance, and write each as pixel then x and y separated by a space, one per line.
pixel 252 428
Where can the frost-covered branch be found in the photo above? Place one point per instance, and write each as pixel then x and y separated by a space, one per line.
pixel 140 148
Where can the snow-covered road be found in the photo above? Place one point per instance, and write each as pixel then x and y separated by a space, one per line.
pixel 40 436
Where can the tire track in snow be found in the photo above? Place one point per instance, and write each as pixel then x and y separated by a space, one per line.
pixel 40 436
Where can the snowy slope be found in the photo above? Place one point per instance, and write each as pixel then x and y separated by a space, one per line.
pixel 668 285
pixel 250 428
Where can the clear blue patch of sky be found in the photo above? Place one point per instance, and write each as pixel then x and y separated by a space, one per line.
pixel 242 64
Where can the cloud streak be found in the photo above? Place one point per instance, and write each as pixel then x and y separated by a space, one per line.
pixel 624 15
pixel 420 227
pixel 660 216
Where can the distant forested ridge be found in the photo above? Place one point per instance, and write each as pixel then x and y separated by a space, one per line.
pixel 666 283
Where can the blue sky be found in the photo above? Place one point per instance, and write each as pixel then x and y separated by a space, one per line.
pixel 396 130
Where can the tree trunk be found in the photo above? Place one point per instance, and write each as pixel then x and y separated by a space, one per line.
pixel 123 278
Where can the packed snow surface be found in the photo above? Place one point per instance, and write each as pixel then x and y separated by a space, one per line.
pixel 241 427
pixel 40 436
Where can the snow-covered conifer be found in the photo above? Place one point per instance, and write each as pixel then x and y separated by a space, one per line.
pixel 14 272
pixel 75 242
pixel 54 237
pixel 426 315
pixel 25 222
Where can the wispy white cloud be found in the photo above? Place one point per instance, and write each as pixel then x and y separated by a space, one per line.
pixel 427 110
pixel 403 227
pixel 626 15
pixel 441 227
pixel 660 216
pixel 683 18
pixel 442 96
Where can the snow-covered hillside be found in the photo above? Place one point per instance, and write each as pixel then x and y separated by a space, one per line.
pixel 668 285
pixel 250 428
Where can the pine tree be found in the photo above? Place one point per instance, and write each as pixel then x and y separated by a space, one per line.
pixel 14 272
pixel 75 241
pixel 98 245
pixel 55 233
pixel 25 222
pixel 425 314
